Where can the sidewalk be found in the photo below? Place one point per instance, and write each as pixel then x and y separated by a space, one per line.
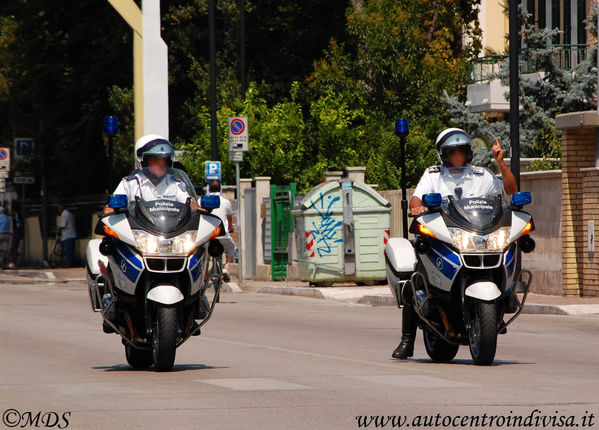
pixel 381 296
pixel 374 296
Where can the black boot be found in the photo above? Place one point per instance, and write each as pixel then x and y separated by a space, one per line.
pixel 409 325
pixel 405 349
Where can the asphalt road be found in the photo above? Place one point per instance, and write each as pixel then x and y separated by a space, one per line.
pixel 277 362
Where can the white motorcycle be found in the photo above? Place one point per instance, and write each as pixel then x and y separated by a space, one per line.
pixel 148 275
pixel 462 271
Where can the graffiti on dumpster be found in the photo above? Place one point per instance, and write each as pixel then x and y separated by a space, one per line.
pixel 325 233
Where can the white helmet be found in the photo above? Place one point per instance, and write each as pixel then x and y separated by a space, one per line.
pixel 153 145
pixel 451 138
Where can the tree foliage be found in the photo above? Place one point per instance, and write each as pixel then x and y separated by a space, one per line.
pixel 326 81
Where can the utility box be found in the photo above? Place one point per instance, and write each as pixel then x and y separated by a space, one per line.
pixel 341 229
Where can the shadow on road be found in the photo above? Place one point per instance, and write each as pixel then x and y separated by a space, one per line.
pixel 464 362
pixel 176 368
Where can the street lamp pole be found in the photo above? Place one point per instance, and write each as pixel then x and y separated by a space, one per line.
pixel 212 53
pixel 514 39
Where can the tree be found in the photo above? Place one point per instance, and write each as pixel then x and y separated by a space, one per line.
pixel 545 92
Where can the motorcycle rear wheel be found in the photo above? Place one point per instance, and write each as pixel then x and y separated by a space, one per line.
pixel 165 338
pixel 437 349
pixel 483 332
pixel 138 358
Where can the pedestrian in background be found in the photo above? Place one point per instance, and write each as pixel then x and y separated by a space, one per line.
pixel 16 237
pixel 68 233
pixel 4 236
pixel 225 213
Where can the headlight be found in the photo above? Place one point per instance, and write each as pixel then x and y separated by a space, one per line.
pixel 149 244
pixel 498 240
pixel 467 242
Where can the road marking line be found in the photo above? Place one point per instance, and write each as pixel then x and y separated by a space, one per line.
pixel 414 381
pixel 253 384
pixel 318 355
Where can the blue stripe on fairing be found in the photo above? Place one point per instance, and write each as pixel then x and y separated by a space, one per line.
pixel 195 258
pixel 448 269
pixel 446 252
pixel 194 264
pixel 509 255
pixel 130 271
pixel 511 265
pixel 130 256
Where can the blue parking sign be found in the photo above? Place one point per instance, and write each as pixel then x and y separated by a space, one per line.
pixel 213 170
pixel 24 147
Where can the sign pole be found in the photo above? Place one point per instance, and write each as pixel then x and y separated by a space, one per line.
pixel 239 232
pixel 402 130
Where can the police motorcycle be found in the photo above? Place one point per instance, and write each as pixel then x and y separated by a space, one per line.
pixel 462 271
pixel 147 275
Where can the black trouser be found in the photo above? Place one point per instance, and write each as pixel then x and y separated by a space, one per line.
pixel 409 321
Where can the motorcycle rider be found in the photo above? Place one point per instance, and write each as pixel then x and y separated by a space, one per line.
pixel 454 176
pixel 154 154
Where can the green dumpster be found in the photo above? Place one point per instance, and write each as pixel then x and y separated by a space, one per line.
pixel 341 228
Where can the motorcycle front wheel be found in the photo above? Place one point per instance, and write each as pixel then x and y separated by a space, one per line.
pixel 165 338
pixel 437 349
pixel 483 332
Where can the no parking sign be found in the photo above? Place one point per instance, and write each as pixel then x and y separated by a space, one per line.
pixel 4 158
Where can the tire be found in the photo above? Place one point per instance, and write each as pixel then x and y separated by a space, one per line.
pixel 437 349
pixel 483 332
pixel 165 338
pixel 138 358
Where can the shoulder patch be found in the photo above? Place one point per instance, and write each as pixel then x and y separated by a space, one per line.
pixel 435 169
pixel 478 170
pixel 129 178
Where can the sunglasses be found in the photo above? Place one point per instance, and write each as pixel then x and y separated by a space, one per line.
pixel 461 149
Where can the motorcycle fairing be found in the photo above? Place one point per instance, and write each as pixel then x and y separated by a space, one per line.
pixel 127 267
pixel 442 264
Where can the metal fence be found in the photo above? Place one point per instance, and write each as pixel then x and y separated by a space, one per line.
pixel 566 57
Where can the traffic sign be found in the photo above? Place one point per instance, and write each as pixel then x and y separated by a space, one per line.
pixel 25 180
pixel 236 156
pixel 5 159
pixel 238 134
pixel 213 170
pixel 24 147
pixel 4 174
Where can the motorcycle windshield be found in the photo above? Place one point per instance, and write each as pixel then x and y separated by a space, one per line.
pixel 160 199
pixel 475 213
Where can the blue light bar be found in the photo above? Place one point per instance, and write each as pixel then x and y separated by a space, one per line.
pixel 117 201
pixel 432 200
pixel 210 201
pixel 111 124
pixel 401 127
pixel 521 198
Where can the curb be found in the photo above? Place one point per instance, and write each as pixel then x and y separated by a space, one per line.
pixel 387 300
pixel 285 291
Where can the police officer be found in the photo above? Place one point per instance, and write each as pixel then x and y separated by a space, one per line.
pixel 454 176
pixel 151 181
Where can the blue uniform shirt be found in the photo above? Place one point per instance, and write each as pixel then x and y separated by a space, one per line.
pixel 4 223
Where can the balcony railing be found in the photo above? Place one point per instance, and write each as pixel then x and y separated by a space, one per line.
pixel 566 57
